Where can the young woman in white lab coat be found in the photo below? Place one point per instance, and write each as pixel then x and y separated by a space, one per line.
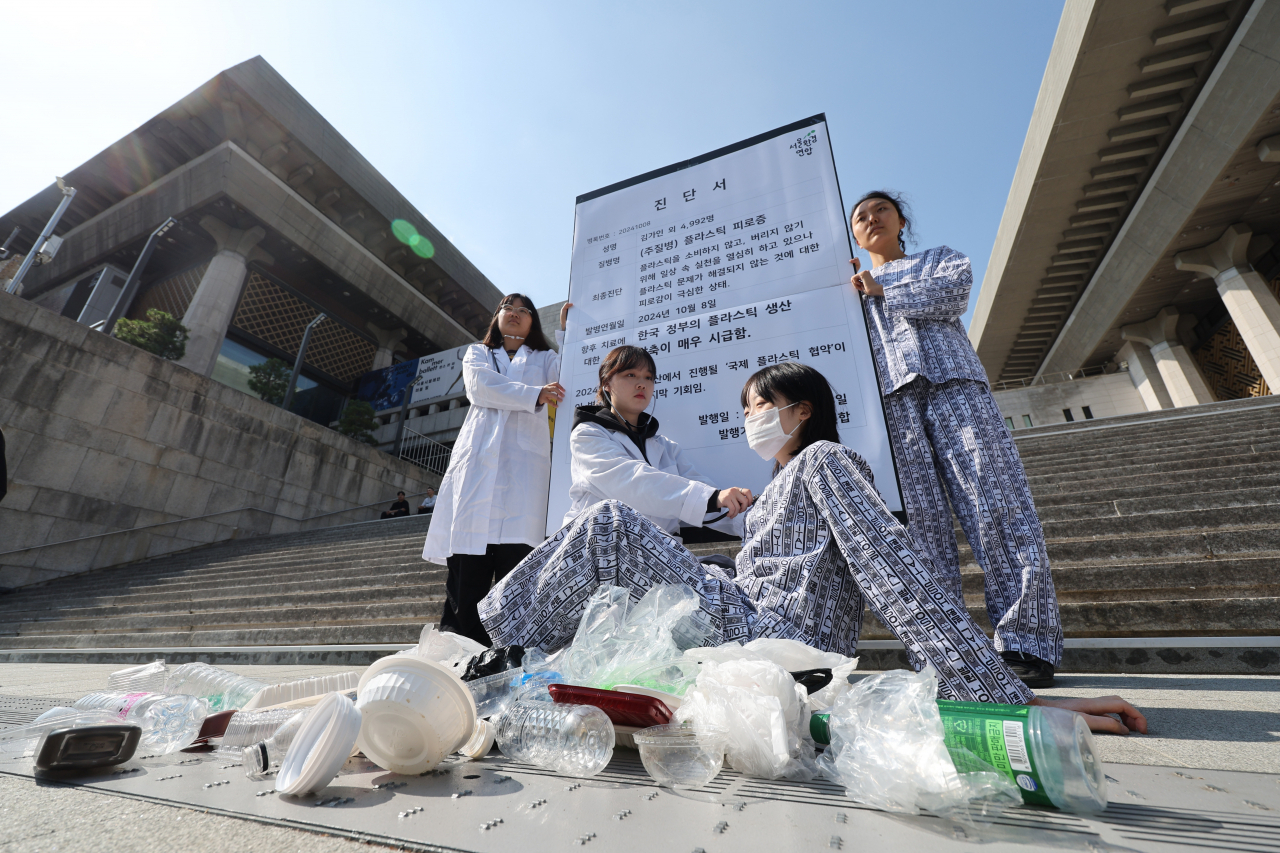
pixel 492 505
pixel 617 454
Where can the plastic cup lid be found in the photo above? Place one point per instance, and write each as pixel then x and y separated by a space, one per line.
pixel 481 741
pixel 321 747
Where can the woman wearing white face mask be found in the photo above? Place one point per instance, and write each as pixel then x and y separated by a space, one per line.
pixel 617 453
pixel 819 542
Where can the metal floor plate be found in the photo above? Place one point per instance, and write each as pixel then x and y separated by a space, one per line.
pixel 496 805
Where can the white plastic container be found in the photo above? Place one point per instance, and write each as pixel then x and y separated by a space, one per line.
pixel 576 740
pixel 415 712
pixel 321 747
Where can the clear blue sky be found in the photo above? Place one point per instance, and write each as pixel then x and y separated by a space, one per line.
pixel 492 117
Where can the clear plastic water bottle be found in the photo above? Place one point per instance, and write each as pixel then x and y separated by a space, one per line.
pixel 169 723
pixel 148 678
pixel 1048 752
pixel 225 690
pixel 266 756
pixel 575 740
pixel 249 727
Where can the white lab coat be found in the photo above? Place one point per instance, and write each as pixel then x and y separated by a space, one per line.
pixel 495 490
pixel 668 489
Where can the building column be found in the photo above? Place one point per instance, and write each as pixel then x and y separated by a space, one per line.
pixel 1252 306
pixel 209 315
pixel 1182 378
pixel 1145 376
pixel 388 342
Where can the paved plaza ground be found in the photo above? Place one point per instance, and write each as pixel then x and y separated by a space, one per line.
pixel 1197 723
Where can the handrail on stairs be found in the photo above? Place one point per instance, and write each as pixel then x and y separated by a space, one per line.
pixel 199 518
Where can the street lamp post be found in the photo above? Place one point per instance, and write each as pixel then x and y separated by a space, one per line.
pixel 297 364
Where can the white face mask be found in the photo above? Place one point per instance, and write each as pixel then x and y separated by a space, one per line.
pixel 764 432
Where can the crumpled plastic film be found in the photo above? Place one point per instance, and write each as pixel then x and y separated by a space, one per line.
pixel 791 655
pixel 445 648
pixel 763 709
pixel 620 643
pixel 887 751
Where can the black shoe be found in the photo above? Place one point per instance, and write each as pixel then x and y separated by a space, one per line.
pixel 1032 671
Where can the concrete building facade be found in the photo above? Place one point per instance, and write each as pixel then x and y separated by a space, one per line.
pixel 1140 230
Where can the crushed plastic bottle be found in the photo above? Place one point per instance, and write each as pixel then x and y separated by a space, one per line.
pixel 575 740
pixel 265 756
pixel 225 690
pixel 169 722
pixel 1048 753
pixel 148 678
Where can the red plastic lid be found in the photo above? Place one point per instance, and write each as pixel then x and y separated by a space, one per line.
pixel 623 709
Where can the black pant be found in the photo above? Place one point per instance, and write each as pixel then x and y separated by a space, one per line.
pixel 470 578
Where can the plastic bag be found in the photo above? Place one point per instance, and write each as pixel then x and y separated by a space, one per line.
pixel 493 662
pixel 822 700
pixel 446 648
pixel 618 643
pixel 763 709
pixel 887 751
pixel 791 655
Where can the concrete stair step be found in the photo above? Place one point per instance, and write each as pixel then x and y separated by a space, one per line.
pixel 1263 516
pixel 1180 617
pixel 1260 463
pixel 1156 548
pixel 235 599
pixel 1229 578
pixel 1138 454
pixel 280 635
pixel 1205 483
pixel 281 614
pixel 1160 480
pixel 1191 500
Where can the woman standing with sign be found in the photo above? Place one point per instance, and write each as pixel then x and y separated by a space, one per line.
pixel 492 505
pixel 949 438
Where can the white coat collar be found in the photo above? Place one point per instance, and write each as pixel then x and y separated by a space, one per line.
pixel 513 368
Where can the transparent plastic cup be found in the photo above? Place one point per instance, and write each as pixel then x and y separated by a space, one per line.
pixel 148 678
pixel 249 727
pixel 169 723
pixel 225 690
pixel 22 740
pixel 682 756
pixel 575 740
pixel 494 692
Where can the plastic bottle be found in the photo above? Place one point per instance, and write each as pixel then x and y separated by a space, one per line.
pixel 266 756
pixel 225 690
pixel 148 678
pixel 576 740
pixel 1048 752
pixel 169 723
pixel 249 727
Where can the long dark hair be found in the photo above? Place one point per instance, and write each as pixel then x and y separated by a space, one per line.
pixel 904 213
pixel 535 340
pixel 798 383
pixel 618 360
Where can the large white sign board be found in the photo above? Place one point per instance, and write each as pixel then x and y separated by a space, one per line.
pixel 720 266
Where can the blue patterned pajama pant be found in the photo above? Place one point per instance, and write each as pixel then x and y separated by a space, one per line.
pixel 954 452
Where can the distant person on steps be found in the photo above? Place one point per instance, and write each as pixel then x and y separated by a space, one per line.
pixel 428 503
pixel 399 509
pixel 949 438
pixel 492 508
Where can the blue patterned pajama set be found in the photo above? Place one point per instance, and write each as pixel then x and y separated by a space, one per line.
pixel 954 451
pixel 818 543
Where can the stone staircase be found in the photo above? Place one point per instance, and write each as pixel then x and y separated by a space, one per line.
pixel 354 584
pixel 1158 525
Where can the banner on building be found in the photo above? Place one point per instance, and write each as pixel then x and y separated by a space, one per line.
pixel 720 266
pixel 428 378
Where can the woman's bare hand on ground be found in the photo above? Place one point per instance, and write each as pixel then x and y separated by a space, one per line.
pixel 552 392
pixel 735 500
pixel 863 282
pixel 1097 713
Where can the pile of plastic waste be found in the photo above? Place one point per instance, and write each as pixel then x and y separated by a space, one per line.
pixel 636 675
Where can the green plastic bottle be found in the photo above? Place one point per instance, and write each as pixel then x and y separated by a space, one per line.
pixel 1047 752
